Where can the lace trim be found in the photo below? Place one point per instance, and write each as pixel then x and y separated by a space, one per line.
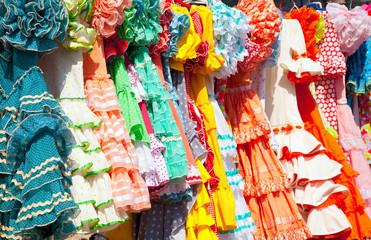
pixel 266 186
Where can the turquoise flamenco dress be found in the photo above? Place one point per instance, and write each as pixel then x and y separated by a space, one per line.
pixel 35 199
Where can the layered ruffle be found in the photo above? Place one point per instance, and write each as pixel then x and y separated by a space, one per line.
pixel 114 47
pixel 130 192
pixel 178 27
pixel 265 22
pixel 33 25
pixel 230 42
pixel 38 191
pixel 248 122
pixel 107 15
pixel 160 114
pixel 332 63
pixel 352 26
pixel 300 66
pixel 146 23
pixel 160 177
pixel 165 20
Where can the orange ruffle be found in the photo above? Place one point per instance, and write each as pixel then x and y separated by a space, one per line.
pixel 306 77
pixel 308 19
pixel 353 206
pixel 266 26
pixel 246 115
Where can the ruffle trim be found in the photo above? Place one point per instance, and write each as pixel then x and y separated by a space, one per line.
pixel 350 144
pixel 177 28
pixel 33 25
pixel 260 129
pixel 107 15
pixel 101 94
pixel 79 113
pixel 295 234
pixel 229 42
pixel 267 186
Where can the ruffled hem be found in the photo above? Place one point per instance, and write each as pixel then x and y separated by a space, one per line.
pixel 266 186
pixel 79 113
pixel 130 193
pixel 319 194
pixel 194 176
pixel 86 219
pixel 109 218
pixel 176 193
pixel 349 144
pixel 295 234
pixel 318 220
pixel 145 158
pixel 228 146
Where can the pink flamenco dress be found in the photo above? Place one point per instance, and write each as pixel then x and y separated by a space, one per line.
pixel 130 193
pixel 353 28
pixel 63 72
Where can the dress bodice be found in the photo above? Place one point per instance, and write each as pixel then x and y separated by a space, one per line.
pixel 281 104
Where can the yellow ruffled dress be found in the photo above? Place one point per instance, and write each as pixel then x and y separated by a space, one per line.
pixel 199 220
pixel 222 194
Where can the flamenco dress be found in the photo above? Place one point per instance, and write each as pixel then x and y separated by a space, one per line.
pixel 130 109
pixel 158 99
pixel 130 192
pixel 245 225
pixel 222 194
pixel 266 183
pixel 160 177
pixel 182 51
pixel 353 205
pixel 91 183
pixel 301 154
pixel 35 179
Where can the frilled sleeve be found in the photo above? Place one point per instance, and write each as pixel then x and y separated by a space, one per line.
pixel 266 26
pixel 213 61
pixel 108 14
pixel 231 27
pixel 79 35
pixel 353 27
pixel 32 25
pixel 300 68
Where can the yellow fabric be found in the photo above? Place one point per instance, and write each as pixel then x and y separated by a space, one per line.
pixel 222 194
pixel 122 232
pixel 199 220
pixel 188 44
pixel 213 61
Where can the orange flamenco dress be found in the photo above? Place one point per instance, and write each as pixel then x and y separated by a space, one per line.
pixel 354 205
pixel 222 194
pixel 274 211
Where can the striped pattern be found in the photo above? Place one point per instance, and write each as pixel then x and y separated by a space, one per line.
pixel 129 190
